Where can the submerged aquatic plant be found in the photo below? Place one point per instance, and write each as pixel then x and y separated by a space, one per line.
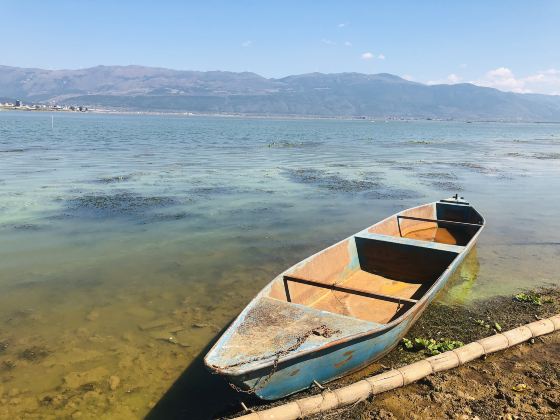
pixel 115 178
pixel 330 181
pixel 34 353
pixel 8 365
pixel 419 142
pixel 121 203
pixel 430 346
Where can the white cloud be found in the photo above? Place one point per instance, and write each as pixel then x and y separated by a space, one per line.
pixel 408 77
pixel 546 81
pixel 543 81
pixel 328 42
pixel 370 56
pixel 451 79
pixel 462 66
pixel 246 44
pixel 342 25
pixel 347 44
pixel 502 78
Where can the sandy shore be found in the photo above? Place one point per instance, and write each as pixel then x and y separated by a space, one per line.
pixel 485 389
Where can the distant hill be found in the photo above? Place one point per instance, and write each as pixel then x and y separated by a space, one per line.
pixel 315 94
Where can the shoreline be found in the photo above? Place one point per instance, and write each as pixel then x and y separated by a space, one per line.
pixel 273 117
pixel 483 388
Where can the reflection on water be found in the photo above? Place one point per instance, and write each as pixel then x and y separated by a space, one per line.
pixel 128 242
pixel 459 289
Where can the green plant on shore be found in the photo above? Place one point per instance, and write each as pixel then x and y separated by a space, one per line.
pixel 482 323
pixel 486 324
pixel 531 298
pixel 430 346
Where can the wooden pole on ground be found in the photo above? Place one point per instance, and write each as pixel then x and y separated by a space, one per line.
pixel 359 391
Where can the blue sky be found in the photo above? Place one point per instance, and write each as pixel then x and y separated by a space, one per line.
pixel 511 45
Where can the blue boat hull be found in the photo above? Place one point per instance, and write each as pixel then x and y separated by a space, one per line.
pixel 326 365
pixel 291 336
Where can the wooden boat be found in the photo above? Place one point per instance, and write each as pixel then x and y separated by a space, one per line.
pixel 347 305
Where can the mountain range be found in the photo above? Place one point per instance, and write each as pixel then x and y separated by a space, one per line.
pixel 138 88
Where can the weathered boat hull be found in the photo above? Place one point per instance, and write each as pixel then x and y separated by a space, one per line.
pixel 333 363
pixel 348 305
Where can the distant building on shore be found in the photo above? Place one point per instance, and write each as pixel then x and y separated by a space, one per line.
pixel 19 105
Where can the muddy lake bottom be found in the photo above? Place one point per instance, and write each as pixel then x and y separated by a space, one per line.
pixel 127 243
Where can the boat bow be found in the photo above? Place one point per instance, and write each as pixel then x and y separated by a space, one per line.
pixel 270 331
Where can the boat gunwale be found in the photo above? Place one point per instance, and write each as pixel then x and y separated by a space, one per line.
pixel 261 364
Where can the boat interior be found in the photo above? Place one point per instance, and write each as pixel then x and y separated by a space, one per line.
pixel 361 283
pixel 380 273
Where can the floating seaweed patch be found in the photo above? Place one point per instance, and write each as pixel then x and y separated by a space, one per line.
pixel 284 144
pixel 445 185
pixel 260 210
pixel 404 167
pixel 263 211
pixel 515 154
pixel 13 150
pixel 546 156
pixel 387 162
pixel 552 140
pixel 372 175
pixel 476 167
pixel 387 193
pixel 438 175
pixel 215 190
pixel 264 191
pixel 330 181
pixel 170 217
pixel 413 165
pixel 27 227
pixel 115 179
pixel 118 204
pixel 420 142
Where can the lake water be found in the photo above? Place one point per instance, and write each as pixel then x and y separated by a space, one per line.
pixel 127 242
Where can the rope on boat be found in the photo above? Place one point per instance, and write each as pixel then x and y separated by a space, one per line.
pixel 396 378
pixel 322 331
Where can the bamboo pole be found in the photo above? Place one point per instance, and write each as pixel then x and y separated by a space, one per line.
pixel 405 375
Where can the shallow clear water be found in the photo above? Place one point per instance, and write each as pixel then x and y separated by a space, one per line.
pixel 118 232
